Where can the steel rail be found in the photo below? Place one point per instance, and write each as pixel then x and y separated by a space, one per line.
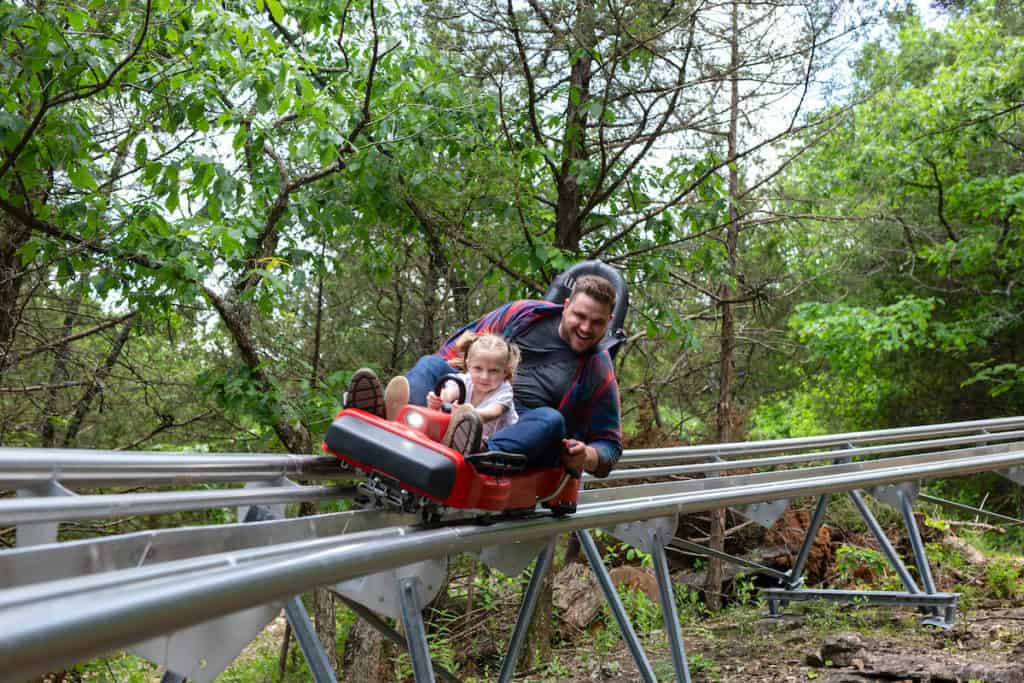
pixel 50 509
pixel 625 494
pixel 63 509
pixel 24 566
pixel 48 632
pixel 178 570
pixel 21 466
pixel 26 466
pixel 775 461
pixel 684 453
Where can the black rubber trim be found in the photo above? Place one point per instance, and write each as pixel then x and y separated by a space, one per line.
pixel 496 462
pixel 407 461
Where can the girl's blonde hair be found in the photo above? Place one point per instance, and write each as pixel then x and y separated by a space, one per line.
pixel 487 342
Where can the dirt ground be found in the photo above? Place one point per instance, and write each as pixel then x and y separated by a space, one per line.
pixel 823 643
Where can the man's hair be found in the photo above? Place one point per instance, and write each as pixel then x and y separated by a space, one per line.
pixel 596 287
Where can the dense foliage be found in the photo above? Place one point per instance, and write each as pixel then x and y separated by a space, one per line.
pixel 212 213
pixel 914 252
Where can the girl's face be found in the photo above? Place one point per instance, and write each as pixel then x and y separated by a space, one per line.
pixel 486 369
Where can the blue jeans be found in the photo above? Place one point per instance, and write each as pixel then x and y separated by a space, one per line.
pixel 424 376
pixel 538 434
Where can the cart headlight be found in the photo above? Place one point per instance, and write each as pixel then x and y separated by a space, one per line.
pixel 414 419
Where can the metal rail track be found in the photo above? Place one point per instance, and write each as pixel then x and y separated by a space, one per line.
pixel 85 618
pixel 60 603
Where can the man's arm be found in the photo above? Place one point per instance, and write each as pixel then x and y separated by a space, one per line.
pixel 604 433
pixel 581 457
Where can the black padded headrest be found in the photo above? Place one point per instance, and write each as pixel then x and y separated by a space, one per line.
pixel 561 287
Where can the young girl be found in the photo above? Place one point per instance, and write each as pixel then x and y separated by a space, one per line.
pixel 488 363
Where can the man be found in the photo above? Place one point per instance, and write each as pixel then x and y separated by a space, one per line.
pixel 565 389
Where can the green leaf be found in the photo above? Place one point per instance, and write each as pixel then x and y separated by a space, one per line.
pixel 81 177
pixel 276 10
pixel 141 153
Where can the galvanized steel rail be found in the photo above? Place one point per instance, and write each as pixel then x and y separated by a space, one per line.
pixel 96 597
pixel 27 466
pixel 84 620
pixel 709 451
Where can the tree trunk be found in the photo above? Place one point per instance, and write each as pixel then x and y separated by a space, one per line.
pixel 724 411
pixel 568 222
pixel 13 236
pixel 57 375
pixel 369 657
pixel 324 613
pixel 326 624
pixel 96 386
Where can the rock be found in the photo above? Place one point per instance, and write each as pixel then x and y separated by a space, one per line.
pixel 577 595
pixel 940 669
pixel 841 649
pixel 972 555
pixel 634 577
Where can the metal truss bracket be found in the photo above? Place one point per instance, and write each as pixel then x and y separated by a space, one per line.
pixel 44 532
pixel 890 493
pixel 277 511
pixel 648 534
pixel 512 559
pixel 377 591
pixel 765 513
pixel 652 536
pixel 1014 474
pixel 201 652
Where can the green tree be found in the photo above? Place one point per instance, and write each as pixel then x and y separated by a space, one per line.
pixel 921 320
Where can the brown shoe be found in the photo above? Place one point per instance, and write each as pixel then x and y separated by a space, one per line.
pixel 396 396
pixel 364 392
pixel 464 431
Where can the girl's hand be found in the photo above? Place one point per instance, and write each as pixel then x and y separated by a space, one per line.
pixel 433 401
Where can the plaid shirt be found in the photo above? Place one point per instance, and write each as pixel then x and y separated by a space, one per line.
pixel 590 405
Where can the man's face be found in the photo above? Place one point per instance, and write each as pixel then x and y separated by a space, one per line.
pixel 584 322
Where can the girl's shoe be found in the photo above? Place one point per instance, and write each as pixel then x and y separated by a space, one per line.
pixel 396 396
pixel 464 431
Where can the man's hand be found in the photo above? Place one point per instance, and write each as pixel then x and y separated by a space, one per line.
pixel 578 456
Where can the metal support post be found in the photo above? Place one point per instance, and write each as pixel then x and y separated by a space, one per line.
pixel 415 632
pixel 668 613
pixel 612 596
pixel 795 577
pixel 540 569
pixel 310 645
pixel 942 618
pixel 890 552
pixel 970 508
pixel 44 532
pixel 915 542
